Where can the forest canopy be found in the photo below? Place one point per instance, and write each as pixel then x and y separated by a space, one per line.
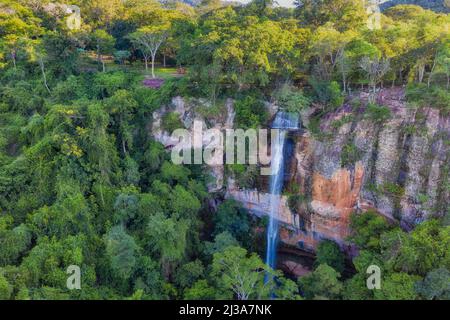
pixel 84 183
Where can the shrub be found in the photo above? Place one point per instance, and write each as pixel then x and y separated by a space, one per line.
pixel 350 154
pixel 171 121
pixel 328 252
pixel 290 99
pixel 328 94
pixel 295 200
pixel 245 175
pixel 72 89
pixel 121 55
pixel 420 95
pixel 339 123
pixel 377 113
pixel 106 83
pixel 250 113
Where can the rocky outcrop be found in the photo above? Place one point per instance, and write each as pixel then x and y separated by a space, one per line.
pixel 397 167
pixel 259 203
pixel 188 112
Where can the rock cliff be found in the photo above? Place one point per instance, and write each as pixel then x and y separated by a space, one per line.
pixel 397 167
pixel 353 161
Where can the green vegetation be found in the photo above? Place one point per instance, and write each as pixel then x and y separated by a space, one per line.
pixel 422 95
pixel 339 123
pixel 290 99
pixel 171 121
pixel 350 154
pixel 378 114
pixel 250 113
pixel 412 264
pixel 82 182
pixel 328 252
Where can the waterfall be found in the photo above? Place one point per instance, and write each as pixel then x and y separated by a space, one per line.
pixel 284 122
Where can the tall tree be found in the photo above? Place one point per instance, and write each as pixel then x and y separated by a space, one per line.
pixel 148 40
pixel 104 44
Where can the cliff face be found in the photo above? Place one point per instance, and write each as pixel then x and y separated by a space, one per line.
pixel 188 112
pixel 398 167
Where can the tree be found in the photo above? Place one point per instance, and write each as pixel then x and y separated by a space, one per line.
pixel 375 69
pixel 291 99
pixel 40 53
pixel 61 54
pixel 122 106
pixel 328 47
pixel 354 52
pixel 5 287
pixel 104 44
pixel 231 217
pixel 221 242
pixel 436 285
pixel 122 250
pixel 366 230
pixel 442 61
pixel 397 286
pixel 166 238
pixel 99 13
pixel 189 273
pixel 241 274
pixel 121 56
pixel 323 282
pixel 355 288
pixel 18 25
pixel 346 14
pixel 14 242
pixel 184 204
pixel 201 290
pixel 241 51
pixel 421 251
pixel 328 252
pixel 148 39
pixel 125 207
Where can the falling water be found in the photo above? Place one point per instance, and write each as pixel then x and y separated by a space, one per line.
pixel 284 122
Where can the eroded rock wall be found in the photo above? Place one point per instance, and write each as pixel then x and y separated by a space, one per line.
pixel 188 112
pixel 399 168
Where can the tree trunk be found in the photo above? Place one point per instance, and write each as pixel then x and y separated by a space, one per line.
pixel 421 73
pixel 146 63
pixel 123 147
pixel 431 72
pixel 98 55
pixel 103 64
pixel 344 82
pixel 41 64
pixel 153 66
pixel 164 60
pixel 13 56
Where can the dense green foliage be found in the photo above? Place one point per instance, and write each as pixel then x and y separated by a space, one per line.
pixel 82 182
